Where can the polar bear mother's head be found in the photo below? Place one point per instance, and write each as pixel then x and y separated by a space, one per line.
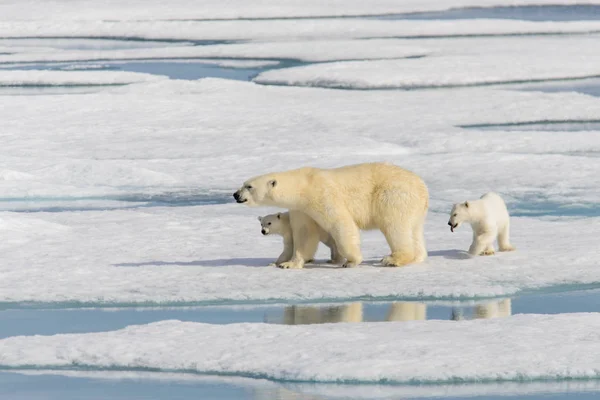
pixel 257 191
pixel 287 189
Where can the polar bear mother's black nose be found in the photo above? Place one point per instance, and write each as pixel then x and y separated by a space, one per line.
pixel 236 196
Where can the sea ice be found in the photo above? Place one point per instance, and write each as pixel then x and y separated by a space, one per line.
pixel 519 348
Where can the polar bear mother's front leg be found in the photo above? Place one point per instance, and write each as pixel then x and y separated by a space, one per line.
pixel 346 235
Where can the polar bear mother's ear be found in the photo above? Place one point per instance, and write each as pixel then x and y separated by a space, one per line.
pixel 272 183
pixel 467 204
pixel 260 219
pixel 278 215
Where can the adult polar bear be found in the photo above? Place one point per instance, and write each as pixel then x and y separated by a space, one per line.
pixel 345 200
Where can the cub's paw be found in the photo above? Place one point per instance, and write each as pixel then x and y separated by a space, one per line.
pixel 290 265
pixel 273 264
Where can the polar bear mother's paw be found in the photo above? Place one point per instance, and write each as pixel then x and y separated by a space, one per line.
pixel 396 260
pixel 507 248
pixel 290 265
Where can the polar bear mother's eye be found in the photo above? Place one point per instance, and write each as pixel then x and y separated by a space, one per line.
pixel 248 187
pixel 455 215
pixel 269 223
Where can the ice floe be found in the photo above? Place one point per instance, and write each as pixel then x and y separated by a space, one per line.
pixel 216 255
pixel 214 9
pixel 72 78
pixel 519 348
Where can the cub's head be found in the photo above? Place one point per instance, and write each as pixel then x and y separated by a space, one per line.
pixel 271 224
pixel 458 215
pixel 257 191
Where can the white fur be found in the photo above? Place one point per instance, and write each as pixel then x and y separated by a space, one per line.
pixel 280 224
pixel 489 220
pixel 345 200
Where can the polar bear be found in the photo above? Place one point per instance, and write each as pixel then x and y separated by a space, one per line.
pixel 279 224
pixel 343 201
pixel 489 220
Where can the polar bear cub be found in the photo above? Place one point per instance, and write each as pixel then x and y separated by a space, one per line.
pixel 279 224
pixel 489 220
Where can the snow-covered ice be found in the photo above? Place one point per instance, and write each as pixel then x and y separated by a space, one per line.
pixel 315 50
pixel 277 30
pixel 72 78
pixel 216 254
pixel 123 197
pixel 215 9
pixel 167 137
pixel 461 63
pixel 519 348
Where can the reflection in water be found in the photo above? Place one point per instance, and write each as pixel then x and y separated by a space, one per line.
pixel 301 315
pixel 396 311
pixel 281 393
pixel 492 309
pixel 406 311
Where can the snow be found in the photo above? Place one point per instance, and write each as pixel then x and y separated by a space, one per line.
pixel 461 61
pixel 278 30
pixel 104 155
pixel 214 9
pixel 519 348
pixel 181 123
pixel 170 256
pixel 72 78
pixel 315 50
pixel 123 197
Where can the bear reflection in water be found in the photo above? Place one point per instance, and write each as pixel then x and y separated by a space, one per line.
pixel 397 311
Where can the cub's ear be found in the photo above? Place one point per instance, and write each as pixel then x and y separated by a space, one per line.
pixel 467 204
pixel 273 183
pixel 278 215
pixel 260 219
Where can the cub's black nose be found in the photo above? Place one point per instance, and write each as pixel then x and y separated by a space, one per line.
pixel 263 232
pixel 450 223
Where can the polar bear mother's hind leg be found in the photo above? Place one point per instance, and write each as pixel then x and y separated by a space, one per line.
pixel 503 239
pixel 400 240
pixel 419 240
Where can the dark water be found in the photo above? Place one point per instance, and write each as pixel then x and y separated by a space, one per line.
pixel 188 70
pixel 544 208
pixel 128 385
pixel 173 68
pixel 572 126
pixel 14 386
pixel 591 87
pixel 118 202
pixel 16 320
pixel 580 12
